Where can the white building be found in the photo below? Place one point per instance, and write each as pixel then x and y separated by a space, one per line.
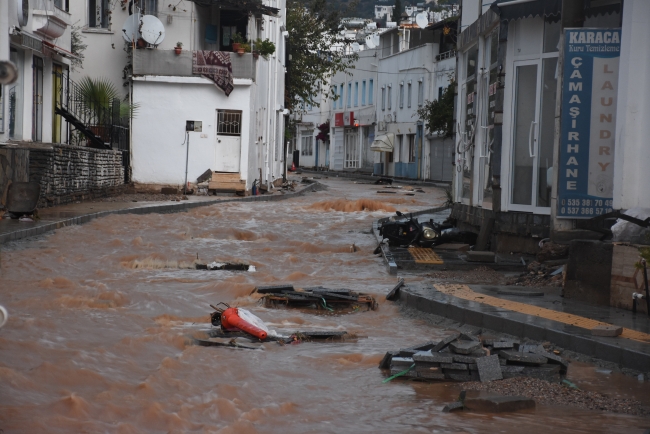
pixel 515 165
pixel 382 11
pixel 242 134
pixel 35 36
pixel 380 96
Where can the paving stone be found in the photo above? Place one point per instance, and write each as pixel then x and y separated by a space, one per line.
pixel 401 361
pixel 525 358
pixel 431 375
pixel 511 371
pixel 459 366
pixel 607 331
pixel 394 293
pixel 489 368
pixel 529 348
pixel 427 367
pixel 408 352
pixel 385 362
pixel 465 347
pixel 502 362
pixel 498 404
pixel 469 337
pixel 472 366
pixel 554 358
pixel 446 341
pixel 464 359
pixel 452 406
pixel 503 345
pixel 410 373
pixel 431 357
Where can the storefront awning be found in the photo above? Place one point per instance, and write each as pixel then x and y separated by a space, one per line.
pixel 383 143
pixel 517 9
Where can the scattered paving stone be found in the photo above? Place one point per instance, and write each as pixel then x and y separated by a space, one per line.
pixel 446 341
pixel 401 362
pixel 553 358
pixel 464 359
pixel 503 362
pixel 607 331
pixel 556 394
pixel 465 347
pixel 427 367
pixel 502 345
pixel 489 368
pixel 459 366
pixel 388 357
pixel 431 357
pixel 472 366
pixel 452 406
pixel 498 404
pixel 527 358
pixel 431 375
pixel 469 337
pixel 528 348
pixel 394 293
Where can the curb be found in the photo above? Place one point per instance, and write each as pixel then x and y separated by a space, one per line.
pixel 353 175
pixel 168 208
pixel 626 353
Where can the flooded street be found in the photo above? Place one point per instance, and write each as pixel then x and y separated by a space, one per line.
pixel 100 315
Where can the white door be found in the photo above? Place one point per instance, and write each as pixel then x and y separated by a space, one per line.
pixel 533 135
pixel 228 146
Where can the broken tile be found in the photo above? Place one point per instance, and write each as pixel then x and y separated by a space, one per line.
pixel 489 368
pixel 465 347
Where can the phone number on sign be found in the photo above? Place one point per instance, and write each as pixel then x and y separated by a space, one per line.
pixel 579 211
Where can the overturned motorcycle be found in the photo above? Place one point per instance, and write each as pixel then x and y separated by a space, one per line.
pixel 403 231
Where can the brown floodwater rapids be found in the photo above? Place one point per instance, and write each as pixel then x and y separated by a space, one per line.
pixel 100 313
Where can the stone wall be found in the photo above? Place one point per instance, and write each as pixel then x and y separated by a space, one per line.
pixel 70 173
pixel 14 167
pixel 512 231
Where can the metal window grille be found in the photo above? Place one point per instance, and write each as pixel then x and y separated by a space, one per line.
pixel 351 149
pixel 229 122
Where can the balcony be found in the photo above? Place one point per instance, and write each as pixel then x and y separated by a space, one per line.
pixel 168 63
pixel 48 19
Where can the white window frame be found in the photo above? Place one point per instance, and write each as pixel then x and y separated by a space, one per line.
pixel 307 145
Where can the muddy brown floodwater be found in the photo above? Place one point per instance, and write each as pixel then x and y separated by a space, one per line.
pixel 96 341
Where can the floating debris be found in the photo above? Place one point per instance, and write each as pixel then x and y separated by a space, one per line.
pixel 318 297
pixel 225 266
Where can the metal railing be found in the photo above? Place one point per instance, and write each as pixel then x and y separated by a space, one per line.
pixel 102 121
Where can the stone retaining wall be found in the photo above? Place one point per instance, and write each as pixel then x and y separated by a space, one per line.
pixel 71 173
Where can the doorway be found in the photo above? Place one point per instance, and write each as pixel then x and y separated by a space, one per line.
pixel 533 135
pixel 37 109
pixel 228 141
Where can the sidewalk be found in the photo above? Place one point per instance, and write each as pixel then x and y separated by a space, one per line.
pixel 373 178
pixel 80 213
pixel 549 317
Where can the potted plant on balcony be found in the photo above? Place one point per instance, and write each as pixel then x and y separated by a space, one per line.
pixel 244 48
pixel 264 47
pixel 178 48
pixel 237 40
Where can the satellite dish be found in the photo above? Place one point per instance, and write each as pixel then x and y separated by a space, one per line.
pixel 422 20
pixel 8 73
pixel 356 47
pixel 130 31
pixel 370 43
pixel 153 31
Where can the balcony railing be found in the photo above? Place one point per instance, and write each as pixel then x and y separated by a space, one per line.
pixel 168 63
pixel 446 55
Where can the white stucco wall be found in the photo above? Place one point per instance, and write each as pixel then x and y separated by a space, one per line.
pixel 159 128
pixel 631 162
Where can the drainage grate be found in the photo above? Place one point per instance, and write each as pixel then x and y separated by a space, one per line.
pixel 425 256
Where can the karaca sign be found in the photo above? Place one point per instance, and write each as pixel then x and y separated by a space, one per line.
pixel 586 166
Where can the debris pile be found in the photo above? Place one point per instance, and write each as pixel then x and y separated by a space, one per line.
pixel 225 266
pixel 538 274
pixel 317 297
pixel 465 357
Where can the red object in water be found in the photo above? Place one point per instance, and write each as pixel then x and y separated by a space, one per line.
pixel 230 320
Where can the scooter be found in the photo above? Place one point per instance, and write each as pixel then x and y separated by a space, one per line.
pixel 405 231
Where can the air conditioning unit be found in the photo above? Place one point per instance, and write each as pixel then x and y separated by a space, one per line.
pixel 388 118
pixel 381 126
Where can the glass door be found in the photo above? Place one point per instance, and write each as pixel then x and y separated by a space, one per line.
pixel 37 110
pixel 533 135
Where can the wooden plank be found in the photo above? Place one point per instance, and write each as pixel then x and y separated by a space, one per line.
pixel 228 177
pixel 237 186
